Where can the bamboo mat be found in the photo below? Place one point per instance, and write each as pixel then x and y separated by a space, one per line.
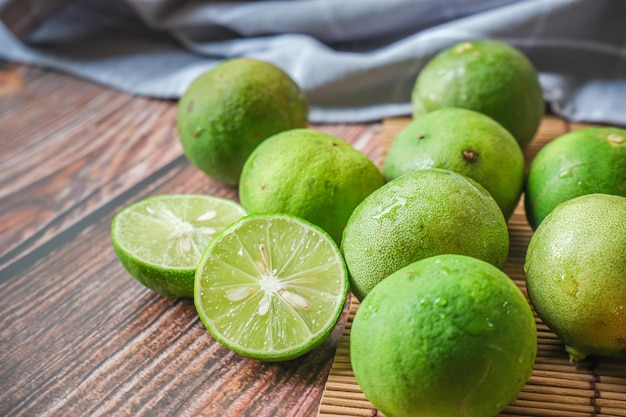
pixel 592 388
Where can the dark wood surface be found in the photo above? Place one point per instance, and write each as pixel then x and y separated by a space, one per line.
pixel 79 336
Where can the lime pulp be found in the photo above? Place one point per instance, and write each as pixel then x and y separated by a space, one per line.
pixel 271 287
pixel 160 239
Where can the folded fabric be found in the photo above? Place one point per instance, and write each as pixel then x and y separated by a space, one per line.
pixel 357 60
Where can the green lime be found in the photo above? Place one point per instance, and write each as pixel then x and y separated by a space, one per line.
pixel 417 215
pixel 309 174
pixel 446 336
pixel 462 141
pixel 271 287
pixel 488 76
pixel 585 161
pixel 576 274
pixel 228 110
pixel 159 240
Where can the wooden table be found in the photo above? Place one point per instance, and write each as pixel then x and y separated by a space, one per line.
pixel 79 336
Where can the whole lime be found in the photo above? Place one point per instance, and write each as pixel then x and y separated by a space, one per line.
pixel 309 174
pixel 576 274
pixel 446 336
pixel 417 215
pixel 228 110
pixel 585 161
pixel 488 76
pixel 466 142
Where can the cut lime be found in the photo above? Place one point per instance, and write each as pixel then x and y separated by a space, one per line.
pixel 271 286
pixel 159 240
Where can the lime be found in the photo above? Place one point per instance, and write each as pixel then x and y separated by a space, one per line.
pixel 159 240
pixel 466 142
pixel 585 161
pixel 488 76
pixel 576 274
pixel 446 336
pixel 309 174
pixel 228 110
pixel 271 287
pixel 418 215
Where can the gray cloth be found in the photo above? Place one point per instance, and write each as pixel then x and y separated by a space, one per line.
pixel 357 60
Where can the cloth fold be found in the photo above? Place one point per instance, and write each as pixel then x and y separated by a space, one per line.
pixel 357 60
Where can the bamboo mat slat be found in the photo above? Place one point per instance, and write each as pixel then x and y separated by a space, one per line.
pixel 592 388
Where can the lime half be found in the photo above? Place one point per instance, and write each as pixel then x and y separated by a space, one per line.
pixel 159 240
pixel 271 287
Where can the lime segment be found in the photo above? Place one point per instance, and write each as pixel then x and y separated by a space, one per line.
pixel 159 240
pixel 271 286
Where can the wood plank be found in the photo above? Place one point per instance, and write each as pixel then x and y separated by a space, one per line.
pixel 73 146
pixel 86 339
pixel 81 337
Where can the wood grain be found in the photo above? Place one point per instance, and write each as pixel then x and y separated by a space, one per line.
pixel 593 388
pixel 79 336
pixel 72 146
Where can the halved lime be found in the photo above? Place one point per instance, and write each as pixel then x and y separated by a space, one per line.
pixel 159 240
pixel 271 286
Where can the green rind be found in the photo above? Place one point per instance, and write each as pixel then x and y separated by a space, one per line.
pixel 576 274
pixel 309 174
pixel 284 355
pixel 418 215
pixel 227 111
pixel 487 76
pixel 439 139
pixel 169 283
pixel 574 164
pixel 446 336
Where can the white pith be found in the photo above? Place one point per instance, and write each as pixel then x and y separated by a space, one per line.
pixel 271 286
pixel 172 231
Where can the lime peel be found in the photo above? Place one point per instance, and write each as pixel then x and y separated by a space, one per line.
pixel 449 335
pixel 310 174
pixel 231 108
pixel 576 275
pixel 580 162
pixel 488 76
